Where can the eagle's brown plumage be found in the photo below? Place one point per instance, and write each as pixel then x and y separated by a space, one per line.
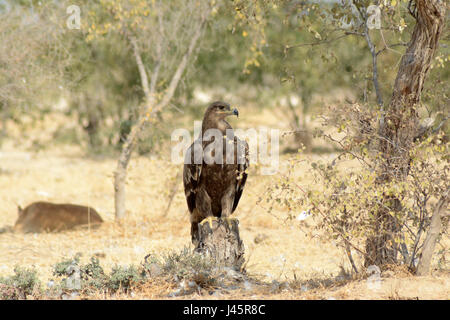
pixel 214 190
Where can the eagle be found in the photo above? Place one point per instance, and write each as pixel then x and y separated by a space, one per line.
pixel 215 169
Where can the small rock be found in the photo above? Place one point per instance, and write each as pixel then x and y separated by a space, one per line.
pixel 183 285
pixel 260 238
pixel 215 293
pixel 373 269
pixel 303 215
pixel 73 282
pixel 233 274
pixel 275 286
pixel 155 270
pixel 340 278
pixel 175 293
pixel 374 281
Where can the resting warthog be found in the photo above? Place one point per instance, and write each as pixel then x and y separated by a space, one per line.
pixel 47 217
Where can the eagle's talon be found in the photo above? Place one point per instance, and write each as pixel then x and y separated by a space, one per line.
pixel 230 220
pixel 209 220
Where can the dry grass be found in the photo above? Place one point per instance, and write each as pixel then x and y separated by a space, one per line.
pixel 64 174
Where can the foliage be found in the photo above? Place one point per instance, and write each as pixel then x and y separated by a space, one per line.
pixel 344 202
pixel 187 265
pixel 23 283
pixel 191 270
pixel 174 266
pixel 93 278
pixel 60 268
pixel 123 278
pixel 30 59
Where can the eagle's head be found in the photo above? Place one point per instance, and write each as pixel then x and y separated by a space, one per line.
pixel 219 110
pixel 215 116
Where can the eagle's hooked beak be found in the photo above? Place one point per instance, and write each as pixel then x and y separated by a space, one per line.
pixel 229 112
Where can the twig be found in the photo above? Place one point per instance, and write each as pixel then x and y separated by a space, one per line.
pixel 349 255
pixel 141 67
pixel 412 11
pixel 159 51
pixel 173 192
pixel 348 33
pixel 374 65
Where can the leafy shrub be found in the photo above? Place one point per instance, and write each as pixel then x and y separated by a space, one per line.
pixel 124 278
pixel 347 203
pixel 190 266
pixel 23 283
pixel 60 268
pixel 94 278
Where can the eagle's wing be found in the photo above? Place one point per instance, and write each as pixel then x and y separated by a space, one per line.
pixel 243 163
pixel 192 170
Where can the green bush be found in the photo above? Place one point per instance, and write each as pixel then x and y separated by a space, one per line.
pixel 23 283
pixel 93 277
pixel 124 278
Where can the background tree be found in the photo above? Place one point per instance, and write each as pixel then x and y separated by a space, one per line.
pixel 390 202
pixel 399 121
pixel 162 37
pixel 399 126
pixel 28 70
pixel 103 88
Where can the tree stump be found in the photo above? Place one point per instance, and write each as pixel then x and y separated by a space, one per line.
pixel 221 242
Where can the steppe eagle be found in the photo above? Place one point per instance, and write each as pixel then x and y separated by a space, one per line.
pixel 215 169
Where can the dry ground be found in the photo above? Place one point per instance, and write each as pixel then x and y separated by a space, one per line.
pixel 64 174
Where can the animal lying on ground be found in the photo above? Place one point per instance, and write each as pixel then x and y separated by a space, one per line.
pixel 50 217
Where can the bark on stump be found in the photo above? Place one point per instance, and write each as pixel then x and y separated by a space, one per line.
pixel 221 242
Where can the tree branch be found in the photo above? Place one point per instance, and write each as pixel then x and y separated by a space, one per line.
pixel 388 47
pixel 181 67
pixel 159 51
pixel 141 67
pixel 374 65
pixel 347 33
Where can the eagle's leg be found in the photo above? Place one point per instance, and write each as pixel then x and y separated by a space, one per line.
pixel 227 206
pixel 204 206
pixel 196 218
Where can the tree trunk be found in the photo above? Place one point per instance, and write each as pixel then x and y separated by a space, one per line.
pixel 222 243
pixel 400 124
pixel 92 129
pixel 430 241
pixel 120 174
